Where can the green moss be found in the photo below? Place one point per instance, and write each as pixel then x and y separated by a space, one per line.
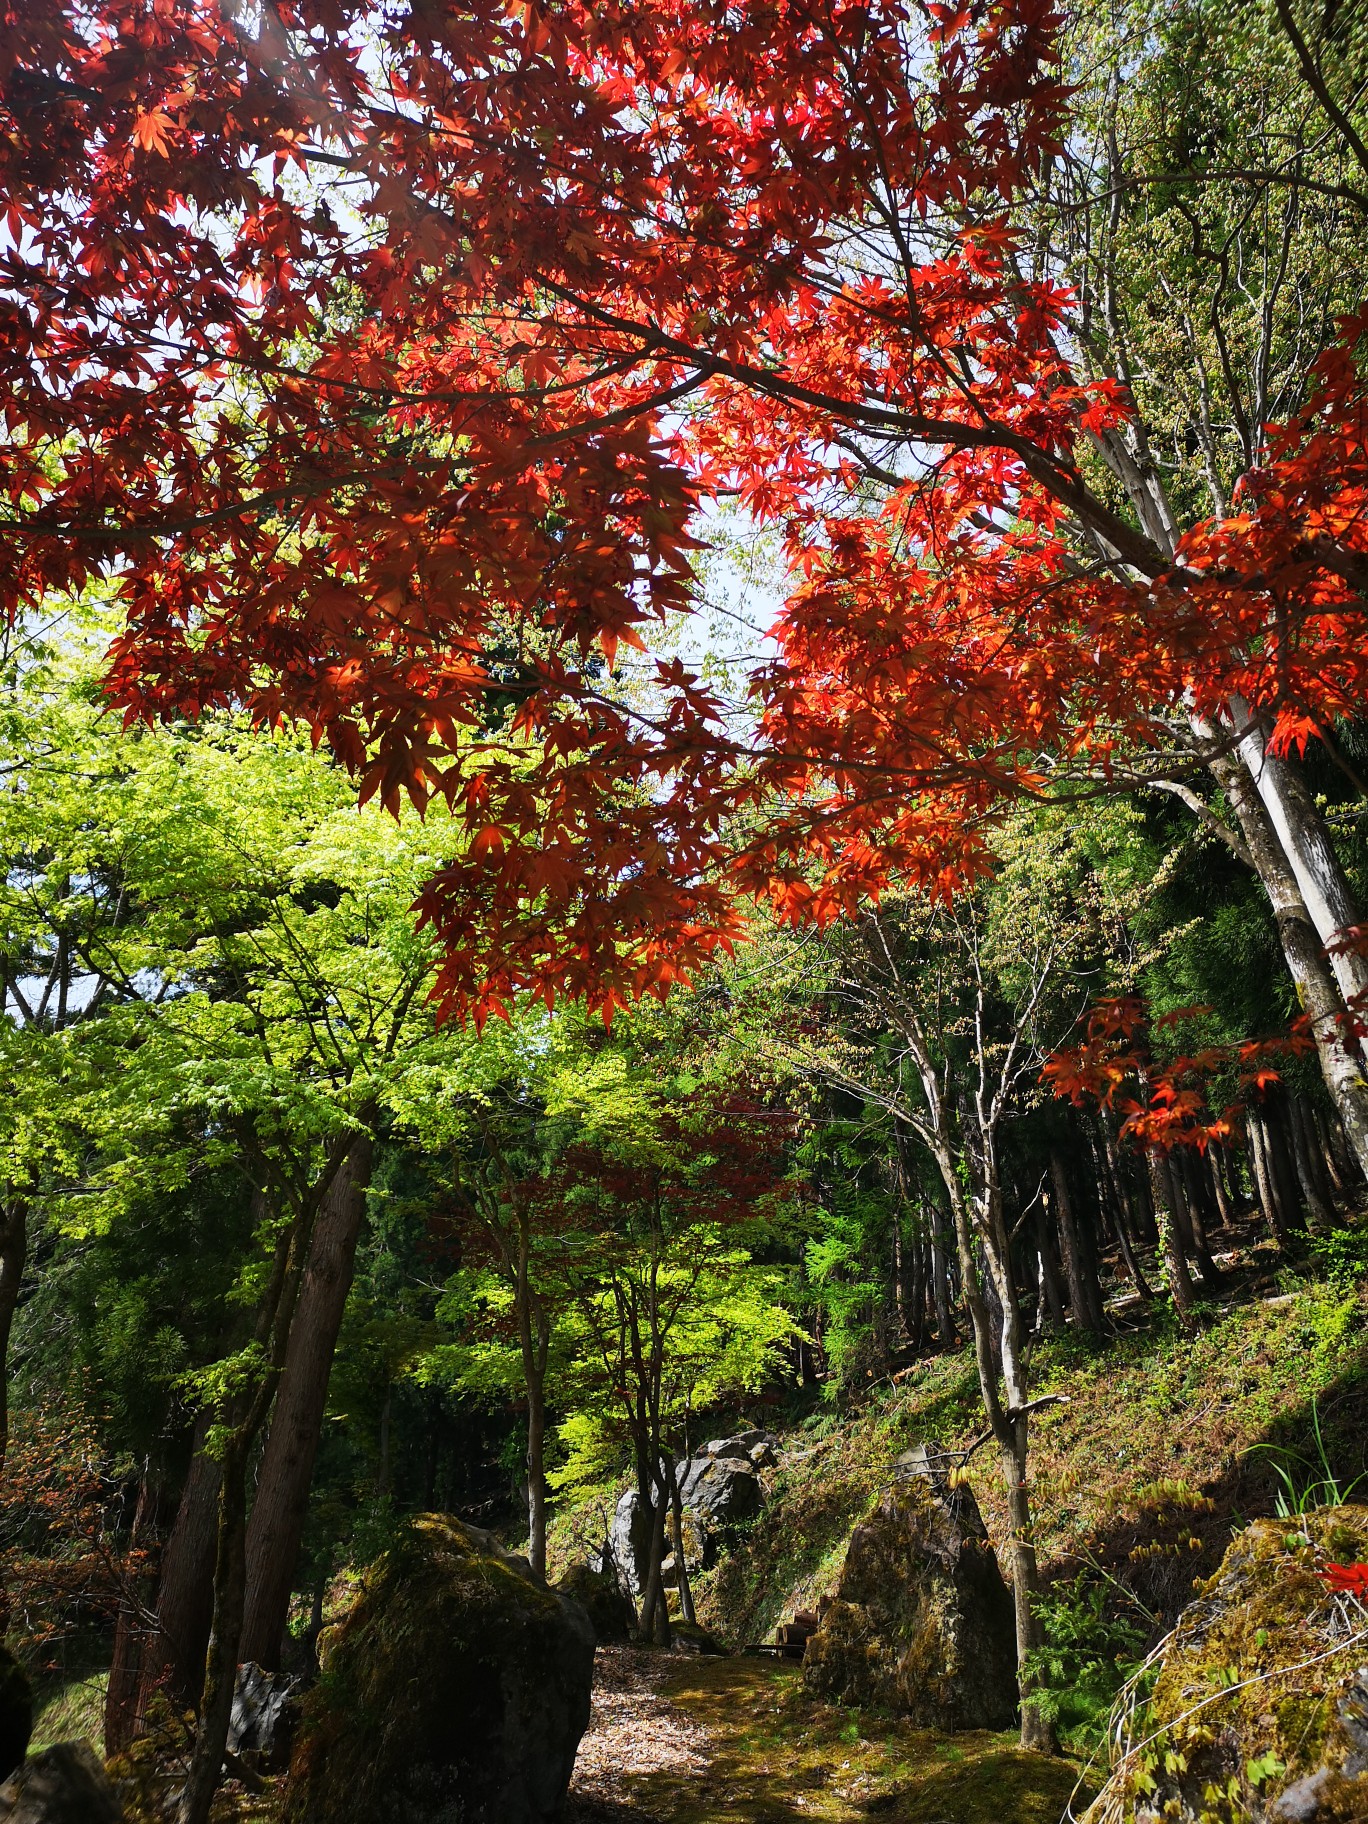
pixel 1248 1687
pixel 776 1754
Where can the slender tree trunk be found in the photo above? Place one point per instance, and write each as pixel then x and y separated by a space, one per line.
pixel 1302 834
pixel 221 1660
pixel 1175 1261
pixel 536 1472
pixel 122 1716
pixel 1182 1173
pixel 1265 1184
pixel 281 1507
pixel 1008 1423
pixel 1051 1292
pixel 1320 1200
pixel 242 1414
pixel 1334 1151
pixel 1084 1299
pixel 1303 947
pixel 1282 1165
pixel 1219 1188
pixel 13 1254
pixel 685 1588
pixel 946 1333
pixel 1110 1189
pixel 173 1660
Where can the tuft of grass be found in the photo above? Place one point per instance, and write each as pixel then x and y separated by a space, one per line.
pixel 71 1711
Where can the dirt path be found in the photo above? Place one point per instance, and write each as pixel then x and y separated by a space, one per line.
pixel 738 1741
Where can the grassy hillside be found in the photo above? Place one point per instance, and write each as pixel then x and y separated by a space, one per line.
pixel 1164 1447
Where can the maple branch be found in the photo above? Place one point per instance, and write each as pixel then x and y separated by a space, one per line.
pixel 1064 483
pixel 1316 82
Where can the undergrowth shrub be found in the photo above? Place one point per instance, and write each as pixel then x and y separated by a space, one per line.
pixel 1087 1654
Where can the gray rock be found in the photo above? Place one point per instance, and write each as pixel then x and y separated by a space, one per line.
pixel 265 1709
pixel 608 1609
pixel 629 1544
pixel 454 1691
pixel 720 1491
pixel 922 1623
pixel 16 1713
pixel 62 1785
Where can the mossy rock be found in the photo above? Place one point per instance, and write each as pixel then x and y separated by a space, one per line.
pixel 608 1609
pixel 16 1713
pixel 1260 1708
pixel 690 1637
pixel 922 1624
pixel 454 1691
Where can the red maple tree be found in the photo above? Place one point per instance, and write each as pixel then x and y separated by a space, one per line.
pixel 360 346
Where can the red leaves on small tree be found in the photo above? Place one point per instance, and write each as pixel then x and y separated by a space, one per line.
pixel 1167 1103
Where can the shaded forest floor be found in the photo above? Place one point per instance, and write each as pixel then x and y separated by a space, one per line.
pixel 738 1741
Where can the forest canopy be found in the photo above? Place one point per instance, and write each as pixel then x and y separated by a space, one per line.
pixel 682 724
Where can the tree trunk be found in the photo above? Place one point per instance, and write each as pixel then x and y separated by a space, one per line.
pixel 1084 1299
pixel 1218 1188
pixel 946 1333
pixel 13 1254
pixel 1175 1261
pixel 221 1660
pixel 173 1660
pixel 1265 1179
pixel 1316 1187
pixel 686 1602
pixel 1281 1161
pixel 1316 984
pixel 536 1474
pixel 122 1715
pixel 1305 841
pixel 281 1507
pixel 1051 1293
pixel 1187 1194
pixel 1110 1188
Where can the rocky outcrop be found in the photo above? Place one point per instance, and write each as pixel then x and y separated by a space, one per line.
pixel 613 1618
pixel 454 1691
pixel 629 1545
pixel 921 1623
pixel 719 1487
pixel 62 1785
pixel 1259 1713
pixel 16 1713
pixel 265 1710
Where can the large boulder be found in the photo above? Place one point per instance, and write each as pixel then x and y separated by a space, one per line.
pixel 719 1491
pixel 454 1691
pixel 718 1488
pixel 62 1785
pixel 16 1713
pixel 1259 1713
pixel 613 1617
pixel 629 1545
pixel 265 1709
pixel 922 1622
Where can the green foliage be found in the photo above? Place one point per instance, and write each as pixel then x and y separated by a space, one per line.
pixel 1087 1654
pixel 1342 1257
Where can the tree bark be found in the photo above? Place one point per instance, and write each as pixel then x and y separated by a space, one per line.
pixel 281 1507
pixel 173 1660
pixel 1265 1184
pixel 1305 841
pixel 1302 946
pixel 1084 1295
pixel 122 1717
pixel 1175 1261
pixel 1316 1187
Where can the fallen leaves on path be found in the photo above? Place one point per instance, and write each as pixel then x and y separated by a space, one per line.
pixel 633 1731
